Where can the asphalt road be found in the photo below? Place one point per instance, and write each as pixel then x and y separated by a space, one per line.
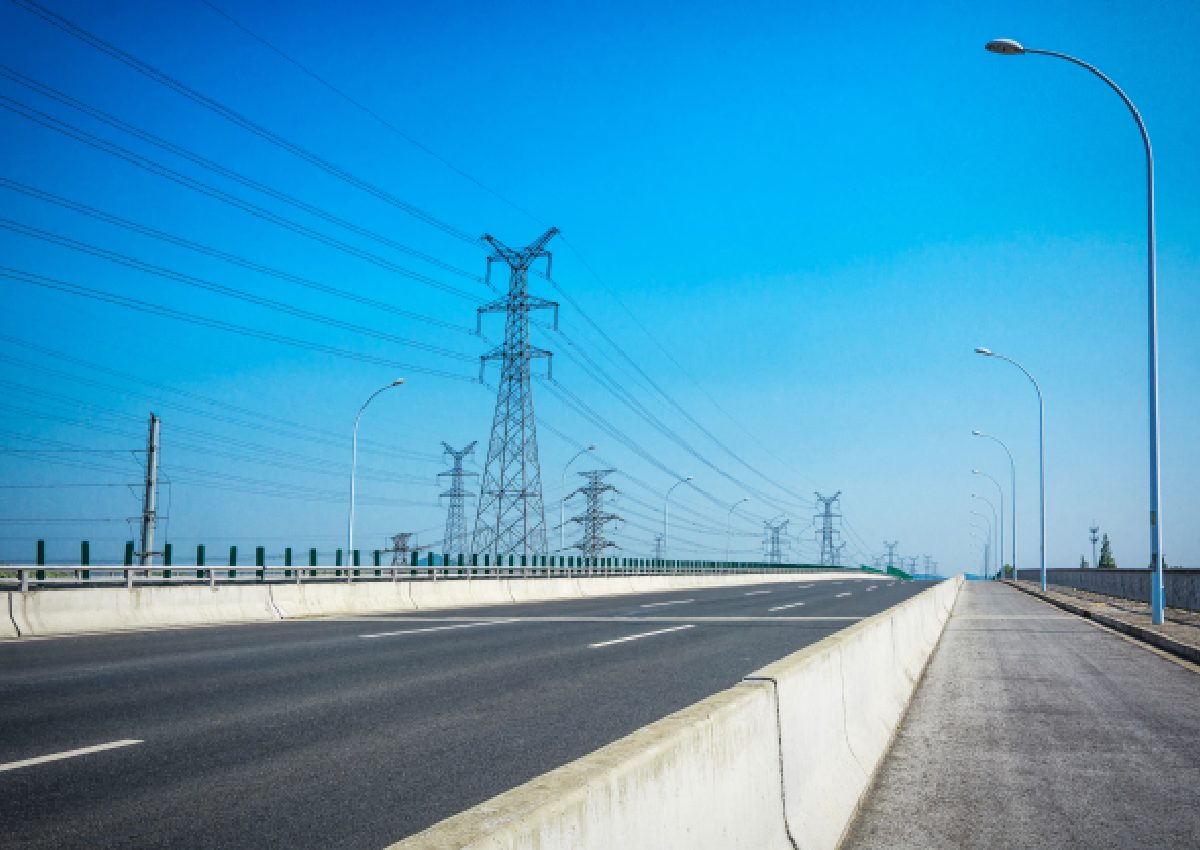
pixel 356 732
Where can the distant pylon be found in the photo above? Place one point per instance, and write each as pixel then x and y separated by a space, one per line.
pixel 774 539
pixel 401 547
pixel 891 553
pixel 837 554
pixel 658 546
pixel 455 540
pixel 593 543
pixel 511 519
pixel 826 533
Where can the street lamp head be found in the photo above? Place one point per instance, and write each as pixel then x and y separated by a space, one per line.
pixel 977 434
pixel 397 382
pixel 986 352
pixel 592 447
pixel 689 478
pixel 1004 47
pixel 976 472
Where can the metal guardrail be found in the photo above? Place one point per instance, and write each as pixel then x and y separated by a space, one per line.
pixel 39 577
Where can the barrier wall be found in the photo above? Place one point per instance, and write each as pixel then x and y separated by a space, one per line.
pixel 99 609
pixel 781 760
pixel 1182 586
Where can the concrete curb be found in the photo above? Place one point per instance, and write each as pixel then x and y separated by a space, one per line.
pixel 780 760
pixel 1155 639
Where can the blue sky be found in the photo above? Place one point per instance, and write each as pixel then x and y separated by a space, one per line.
pixel 797 219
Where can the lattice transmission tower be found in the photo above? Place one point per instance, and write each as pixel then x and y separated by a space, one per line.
pixel 595 517
pixel 827 533
pixel 837 554
pixel 774 540
pixel 456 540
pixel 400 548
pixel 511 519
pixel 891 553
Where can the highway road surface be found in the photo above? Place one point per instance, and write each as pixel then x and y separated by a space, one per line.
pixel 356 732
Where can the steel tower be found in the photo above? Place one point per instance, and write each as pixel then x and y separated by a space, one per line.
pixel 511 519
pixel 456 539
pixel 774 539
pixel 594 517
pixel 826 533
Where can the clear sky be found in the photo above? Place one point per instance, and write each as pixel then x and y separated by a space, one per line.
pixel 785 228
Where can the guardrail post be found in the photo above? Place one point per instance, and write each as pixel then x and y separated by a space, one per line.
pixel 41 553
pixel 260 561
pixel 128 563
pixel 85 559
pixel 23 579
pixel 233 561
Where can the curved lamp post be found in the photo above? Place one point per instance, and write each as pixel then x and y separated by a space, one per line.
pixel 562 534
pixel 353 465
pixel 987 352
pixel 666 514
pixel 729 523
pixel 1000 527
pixel 1006 46
pixel 1012 469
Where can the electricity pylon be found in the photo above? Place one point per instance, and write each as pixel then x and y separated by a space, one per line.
pixel 891 553
pixel 1094 536
pixel 455 540
pixel 774 539
pixel 511 519
pixel 826 533
pixel 594 517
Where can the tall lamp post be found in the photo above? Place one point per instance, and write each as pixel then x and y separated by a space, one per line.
pixel 988 543
pixel 1000 527
pixel 353 466
pixel 729 522
pixel 562 534
pixel 983 542
pixel 995 524
pixel 666 514
pixel 1006 46
pixel 1012 486
pixel 987 352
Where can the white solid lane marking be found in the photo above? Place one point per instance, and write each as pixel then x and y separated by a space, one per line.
pixel 756 592
pixel 439 629
pixel 82 751
pixel 635 637
pixel 840 595
pixel 785 607
pixel 672 602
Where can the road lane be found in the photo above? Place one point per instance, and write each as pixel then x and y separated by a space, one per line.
pixel 304 733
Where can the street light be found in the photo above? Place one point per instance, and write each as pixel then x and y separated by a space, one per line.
pixel 1007 46
pixel 1012 468
pixel 729 523
pixel 666 514
pixel 987 551
pixel 987 352
pixel 984 543
pixel 353 465
pixel 1000 527
pixel 562 534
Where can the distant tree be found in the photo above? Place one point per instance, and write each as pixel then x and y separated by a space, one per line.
pixel 1083 564
pixel 1107 561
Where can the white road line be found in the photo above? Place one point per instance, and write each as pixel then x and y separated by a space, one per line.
pixel 635 637
pixel 872 587
pixel 756 593
pixel 804 587
pixel 840 595
pixel 82 751
pixel 785 607
pixel 439 628
pixel 672 602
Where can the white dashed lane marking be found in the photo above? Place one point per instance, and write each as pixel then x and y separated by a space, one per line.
pixel 68 754
pixel 672 602
pixel 638 637
pixel 785 607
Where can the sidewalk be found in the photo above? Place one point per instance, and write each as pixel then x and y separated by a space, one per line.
pixel 1035 728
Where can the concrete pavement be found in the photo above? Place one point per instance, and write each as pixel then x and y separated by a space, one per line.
pixel 1035 728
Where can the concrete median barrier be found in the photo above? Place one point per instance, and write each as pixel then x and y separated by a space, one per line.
pixel 8 626
pixel 781 760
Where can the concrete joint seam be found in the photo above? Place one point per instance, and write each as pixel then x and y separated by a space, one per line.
pixel 779 740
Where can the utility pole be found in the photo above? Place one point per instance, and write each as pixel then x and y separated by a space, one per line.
pixel 891 553
pixel 455 540
pixel 1094 536
pixel 511 519
pixel 774 539
pixel 593 543
pixel 149 499
pixel 658 546
pixel 826 533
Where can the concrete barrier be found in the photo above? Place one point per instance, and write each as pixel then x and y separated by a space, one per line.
pixel 101 609
pixel 8 626
pixel 782 760
pixel 75 610
pixel 1182 586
